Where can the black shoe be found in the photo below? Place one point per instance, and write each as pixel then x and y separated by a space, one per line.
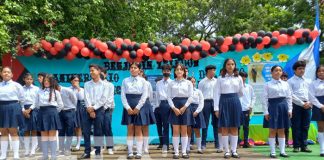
pixel 185 156
pixel 159 147
pixel 85 156
pixel 322 155
pixel 284 155
pixel 235 155
pixel 273 155
pixel 306 150
pixel 246 145
pixel 175 156
pixel 296 150
pixel 227 155
pixel 130 156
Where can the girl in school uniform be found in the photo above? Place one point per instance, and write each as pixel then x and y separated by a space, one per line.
pixel 227 105
pixel 80 109
pixel 30 114
pixel 196 107
pixel 50 103
pixel 277 104
pixel 317 90
pixel 11 94
pixel 134 93
pixel 180 93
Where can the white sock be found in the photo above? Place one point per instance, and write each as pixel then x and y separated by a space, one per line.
pixel 175 141
pixel 145 143
pixel 139 146
pixel 198 141
pixel 282 145
pixel 130 145
pixel 26 144
pixel 15 147
pixel 220 141
pixel 321 141
pixel 184 143
pixel 225 143
pixel 78 142
pixel 188 144
pixel 272 144
pixel 4 148
pixel 233 140
pixel 34 144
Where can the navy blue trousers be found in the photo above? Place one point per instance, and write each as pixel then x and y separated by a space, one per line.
pixel 245 123
pixel 162 124
pixel 107 129
pixel 300 122
pixel 66 133
pixel 208 111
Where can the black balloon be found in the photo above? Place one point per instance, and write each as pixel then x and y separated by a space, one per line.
pixel 158 43
pixel 220 40
pixel 113 47
pixel 258 40
pixel 109 43
pixel 180 56
pixel 309 39
pixel 130 47
pixel 290 31
pixel 184 49
pixel 274 41
pixel 191 48
pixel 132 54
pixel 212 41
pixel 123 46
pixel 283 31
pixel 155 50
pixel 246 46
pixel 67 47
pixel 305 34
pixel 203 54
pixel 97 52
pixel 52 42
pixel 137 46
pixel 232 47
pixel 251 39
pixel 269 34
pixel 145 58
pixel 150 44
pixel 79 55
pixel 235 40
pixel 300 40
pixel 198 47
pixel 243 39
pixel 267 46
pixel 119 52
pixel 173 55
pixel 261 33
pixel 253 45
pixel 91 46
pixel 162 49
pixel 86 42
pixel 49 55
pixel 212 51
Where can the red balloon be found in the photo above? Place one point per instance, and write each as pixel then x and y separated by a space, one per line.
pixel 254 34
pixel 81 44
pixel 53 51
pixel 47 46
pixel 283 39
pixel 19 50
pixel 239 47
pixel 58 46
pixel 228 41
pixel 93 40
pixel 119 42
pixel 314 34
pixel 152 56
pixel 65 41
pixel 108 54
pixel 85 52
pixel 143 46
pixel 260 46
pixel 205 45
pixel 170 48
pixel 246 35
pixel 187 56
pixel 266 40
pixel 103 47
pixel 224 48
pixel 298 33
pixel 28 52
pixel 167 56
pixel 275 33
pixel 291 40
pixel 74 40
pixel 116 58
pixel 138 59
pixel 91 54
pixel 70 56
pixel 125 54
pixel 238 35
pixel 75 49
pixel 128 41
pixel 195 42
pixel 140 53
pixel 148 51
pixel 177 49
pixel 195 55
pixel 186 42
pixel 159 57
pixel 276 45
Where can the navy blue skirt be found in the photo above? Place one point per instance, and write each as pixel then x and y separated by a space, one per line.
pixel 31 122
pixel 149 112
pixel 48 119
pixel 11 115
pixel 139 119
pixel 317 114
pixel 184 119
pixel 278 112
pixel 80 109
pixel 199 120
pixel 230 110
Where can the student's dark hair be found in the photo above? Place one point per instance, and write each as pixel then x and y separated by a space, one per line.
pixel 103 69
pixel 74 77
pixel 224 71
pixel 158 78
pixel 27 75
pixel 243 74
pixel 190 78
pixel 95 66
pixel 43 74
pixel 138 65
pixel 102 77
pixel 5 68
pixel 284 74
pixel 299 64
pixel 52 87
pixel 182 67
pixel 209 67
pixel 166 67
pixel 274 67
pixel 317 69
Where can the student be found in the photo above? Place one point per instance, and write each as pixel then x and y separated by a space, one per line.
pixel 179 95
pixel 284 77
pixel 40 78
pixel 80 109
pixel 163 108
pixel 247 103
pixel 277 101
pixel 50 103
pixel 30 114
pixel 196 107
pixel 67 117
pixel 11 94
pixel 109 108
pixel 207 87
pixel 302 104
pixel 133 96
pixel 96 95
pixel 227 105
pixel 317 89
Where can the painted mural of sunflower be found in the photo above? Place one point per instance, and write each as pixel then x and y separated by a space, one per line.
pixel 245 60
pixel 256 57
pixel 283 57
pixel 267 56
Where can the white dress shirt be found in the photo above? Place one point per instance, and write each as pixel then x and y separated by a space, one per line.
pixel 79 94
pixel 11 91
pixel 248 98
pixel 300 90
pixel 42 99
pixel 30 95
pixel 198 98
pixel 134 85
pixel 96 94
pixel 276 89
pixel 69 98
pixel 180 88
pixel 316 88
pixel 150 92
pixel 161 90
pixel 207 86
pixel 111 89
pixel 225 85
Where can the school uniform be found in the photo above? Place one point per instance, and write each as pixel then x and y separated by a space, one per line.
pixel 227 103
pixel 247 103
pixel 179 94
pixel 149 104
pixel 197 106
pixel 67 117
pixel 96 95
pixel 301 117
pixel 11 94
pixel 109 107
pixel 207 87
pixel 80 108
pixel 161 111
